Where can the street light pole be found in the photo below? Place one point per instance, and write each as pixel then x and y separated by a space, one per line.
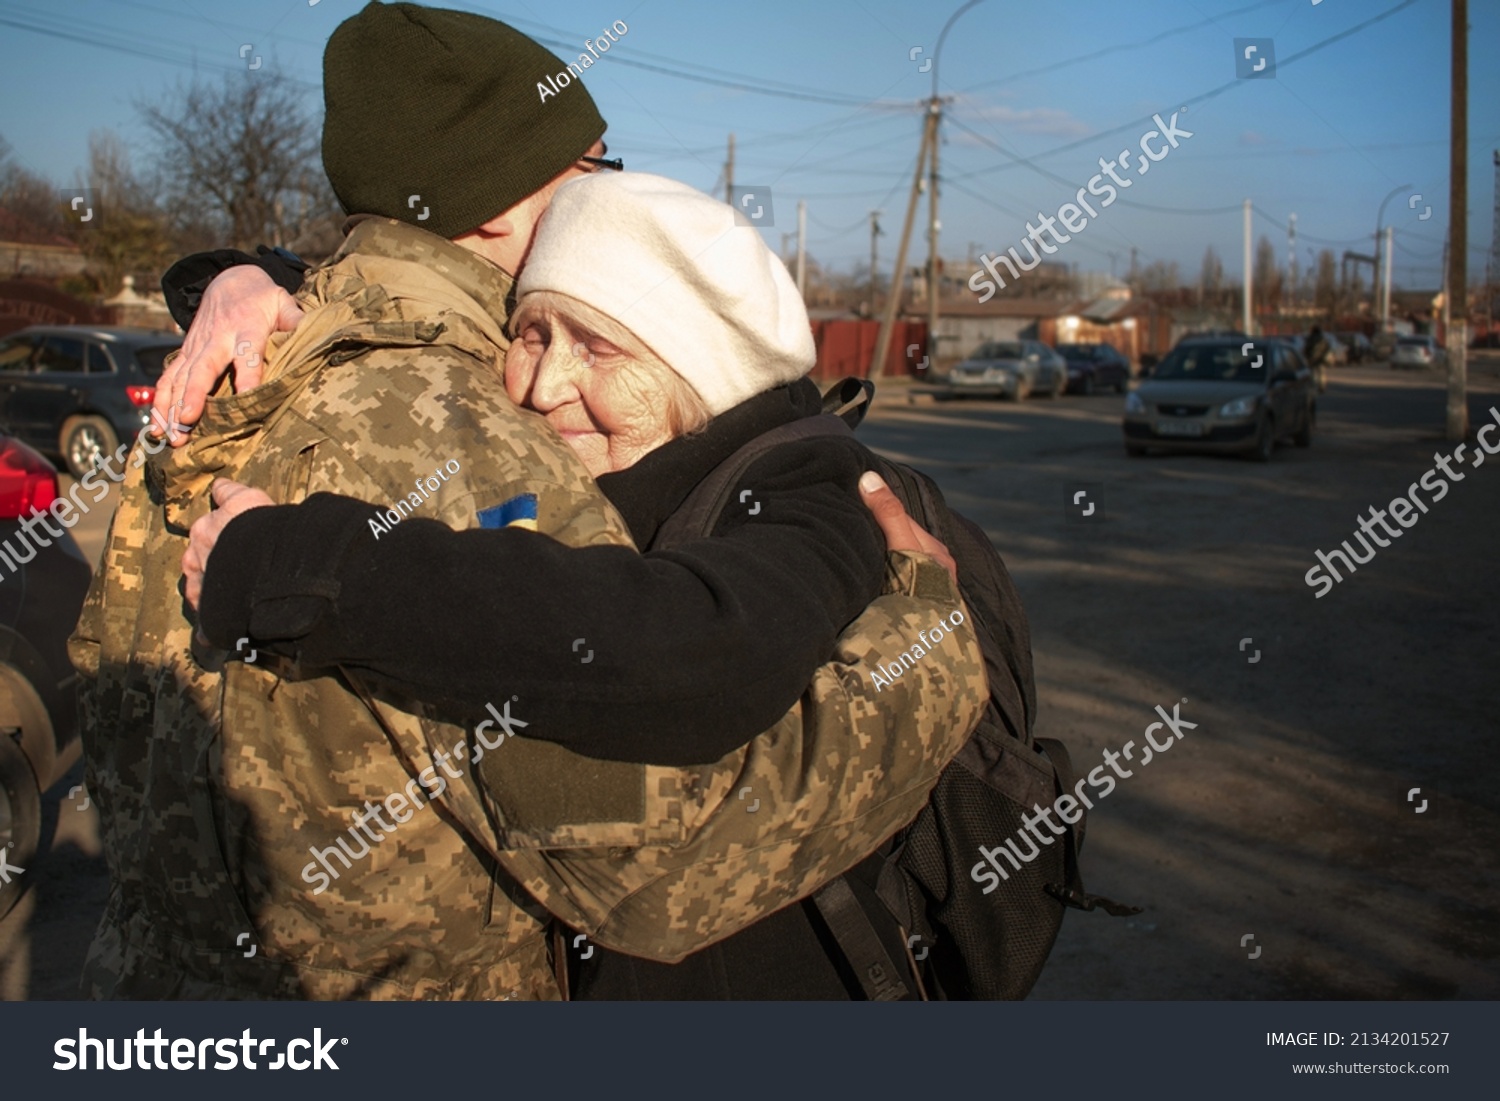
pixel 1382 305
pixel 934 283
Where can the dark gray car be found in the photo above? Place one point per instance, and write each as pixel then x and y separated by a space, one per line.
pixel 1231 394
pixel 76 391
pixel 1011 369
pixel 43 580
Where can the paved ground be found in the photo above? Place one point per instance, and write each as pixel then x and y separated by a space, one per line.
pixel 1284 815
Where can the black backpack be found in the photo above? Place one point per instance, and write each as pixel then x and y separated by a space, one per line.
pixel 956 940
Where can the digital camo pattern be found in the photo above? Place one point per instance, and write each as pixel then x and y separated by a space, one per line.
pixel 840 773
pixel 215 779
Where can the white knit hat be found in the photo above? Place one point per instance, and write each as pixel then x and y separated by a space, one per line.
pixel 673 266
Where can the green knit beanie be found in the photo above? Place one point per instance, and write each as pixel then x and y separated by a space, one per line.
pixel 433 117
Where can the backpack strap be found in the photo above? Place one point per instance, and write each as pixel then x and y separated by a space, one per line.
pixel 697 516
pixel 850 400
pixel 860 943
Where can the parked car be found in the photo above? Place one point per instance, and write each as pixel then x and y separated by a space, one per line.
pixel 1359 346
pixel 1094 367
pixel 1338 351
pixel 1207 394
pixel 40 599
pixel 75 391
pixel 1011 369
pixel 1417 352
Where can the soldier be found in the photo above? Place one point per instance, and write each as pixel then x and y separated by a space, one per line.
pixel 217 780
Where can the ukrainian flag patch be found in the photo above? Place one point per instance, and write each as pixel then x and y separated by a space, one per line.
pixel 518 512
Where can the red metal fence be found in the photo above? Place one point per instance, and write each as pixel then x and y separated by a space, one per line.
pixel 845 348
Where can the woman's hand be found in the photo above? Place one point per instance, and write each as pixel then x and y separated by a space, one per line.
pixel 902 533
pixel 232 498
pixel 241 308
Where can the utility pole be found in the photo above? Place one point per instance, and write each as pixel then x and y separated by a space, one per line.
pixel 893 299
pixel 1385 274
pixel 802 248
pixel 1457 299
pixel 930 137
pixel 1133 270
pixel 1248 273
pixel 1291 248
pixel 874 233
pixel 934 279
pixel 729 174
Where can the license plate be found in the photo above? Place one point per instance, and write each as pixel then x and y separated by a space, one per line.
pixel 1179 428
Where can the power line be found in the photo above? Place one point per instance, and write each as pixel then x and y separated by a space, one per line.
pixel 1129 46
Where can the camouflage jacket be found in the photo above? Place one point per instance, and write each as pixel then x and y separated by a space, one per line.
pixel 237 796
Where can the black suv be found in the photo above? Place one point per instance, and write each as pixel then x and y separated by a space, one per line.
pixel 76 392
pixel 43 580
pixel 1094 367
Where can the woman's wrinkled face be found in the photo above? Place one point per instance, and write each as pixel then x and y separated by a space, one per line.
pixel 610 408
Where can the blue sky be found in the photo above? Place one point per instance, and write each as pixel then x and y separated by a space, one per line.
pixel 1042 91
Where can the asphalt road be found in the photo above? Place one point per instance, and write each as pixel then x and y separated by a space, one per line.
pixel 1283 815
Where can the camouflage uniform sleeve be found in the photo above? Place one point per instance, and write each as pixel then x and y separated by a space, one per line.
pixel 706 852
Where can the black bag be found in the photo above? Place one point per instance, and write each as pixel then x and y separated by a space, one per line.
pixel 959 942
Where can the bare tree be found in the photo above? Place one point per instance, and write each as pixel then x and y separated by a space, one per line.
pixel 1210 277
pixel 1157 276
pixel 131 235
pixel 1268 277
pixel 246 151
pixel 29 197
pixel 1325 291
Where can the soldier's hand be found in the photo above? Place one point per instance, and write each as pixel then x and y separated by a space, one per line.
pixel 232 498
pixel 241 308
pixel 902 533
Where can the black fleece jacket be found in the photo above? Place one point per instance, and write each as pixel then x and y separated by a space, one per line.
pixel 685 655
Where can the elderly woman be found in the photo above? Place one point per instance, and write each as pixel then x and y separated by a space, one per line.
pixel 657 337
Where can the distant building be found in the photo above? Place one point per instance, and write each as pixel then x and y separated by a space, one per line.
pixel 29 252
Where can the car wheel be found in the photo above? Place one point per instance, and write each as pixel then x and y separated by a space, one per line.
pixel 1304 437
pixel 1265 440
pixel 1087 390
pixel 1023 389
pixel 20 819
pixel 85 443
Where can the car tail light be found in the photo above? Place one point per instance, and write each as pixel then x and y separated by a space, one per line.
pixel 141 395
pixel 27 481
